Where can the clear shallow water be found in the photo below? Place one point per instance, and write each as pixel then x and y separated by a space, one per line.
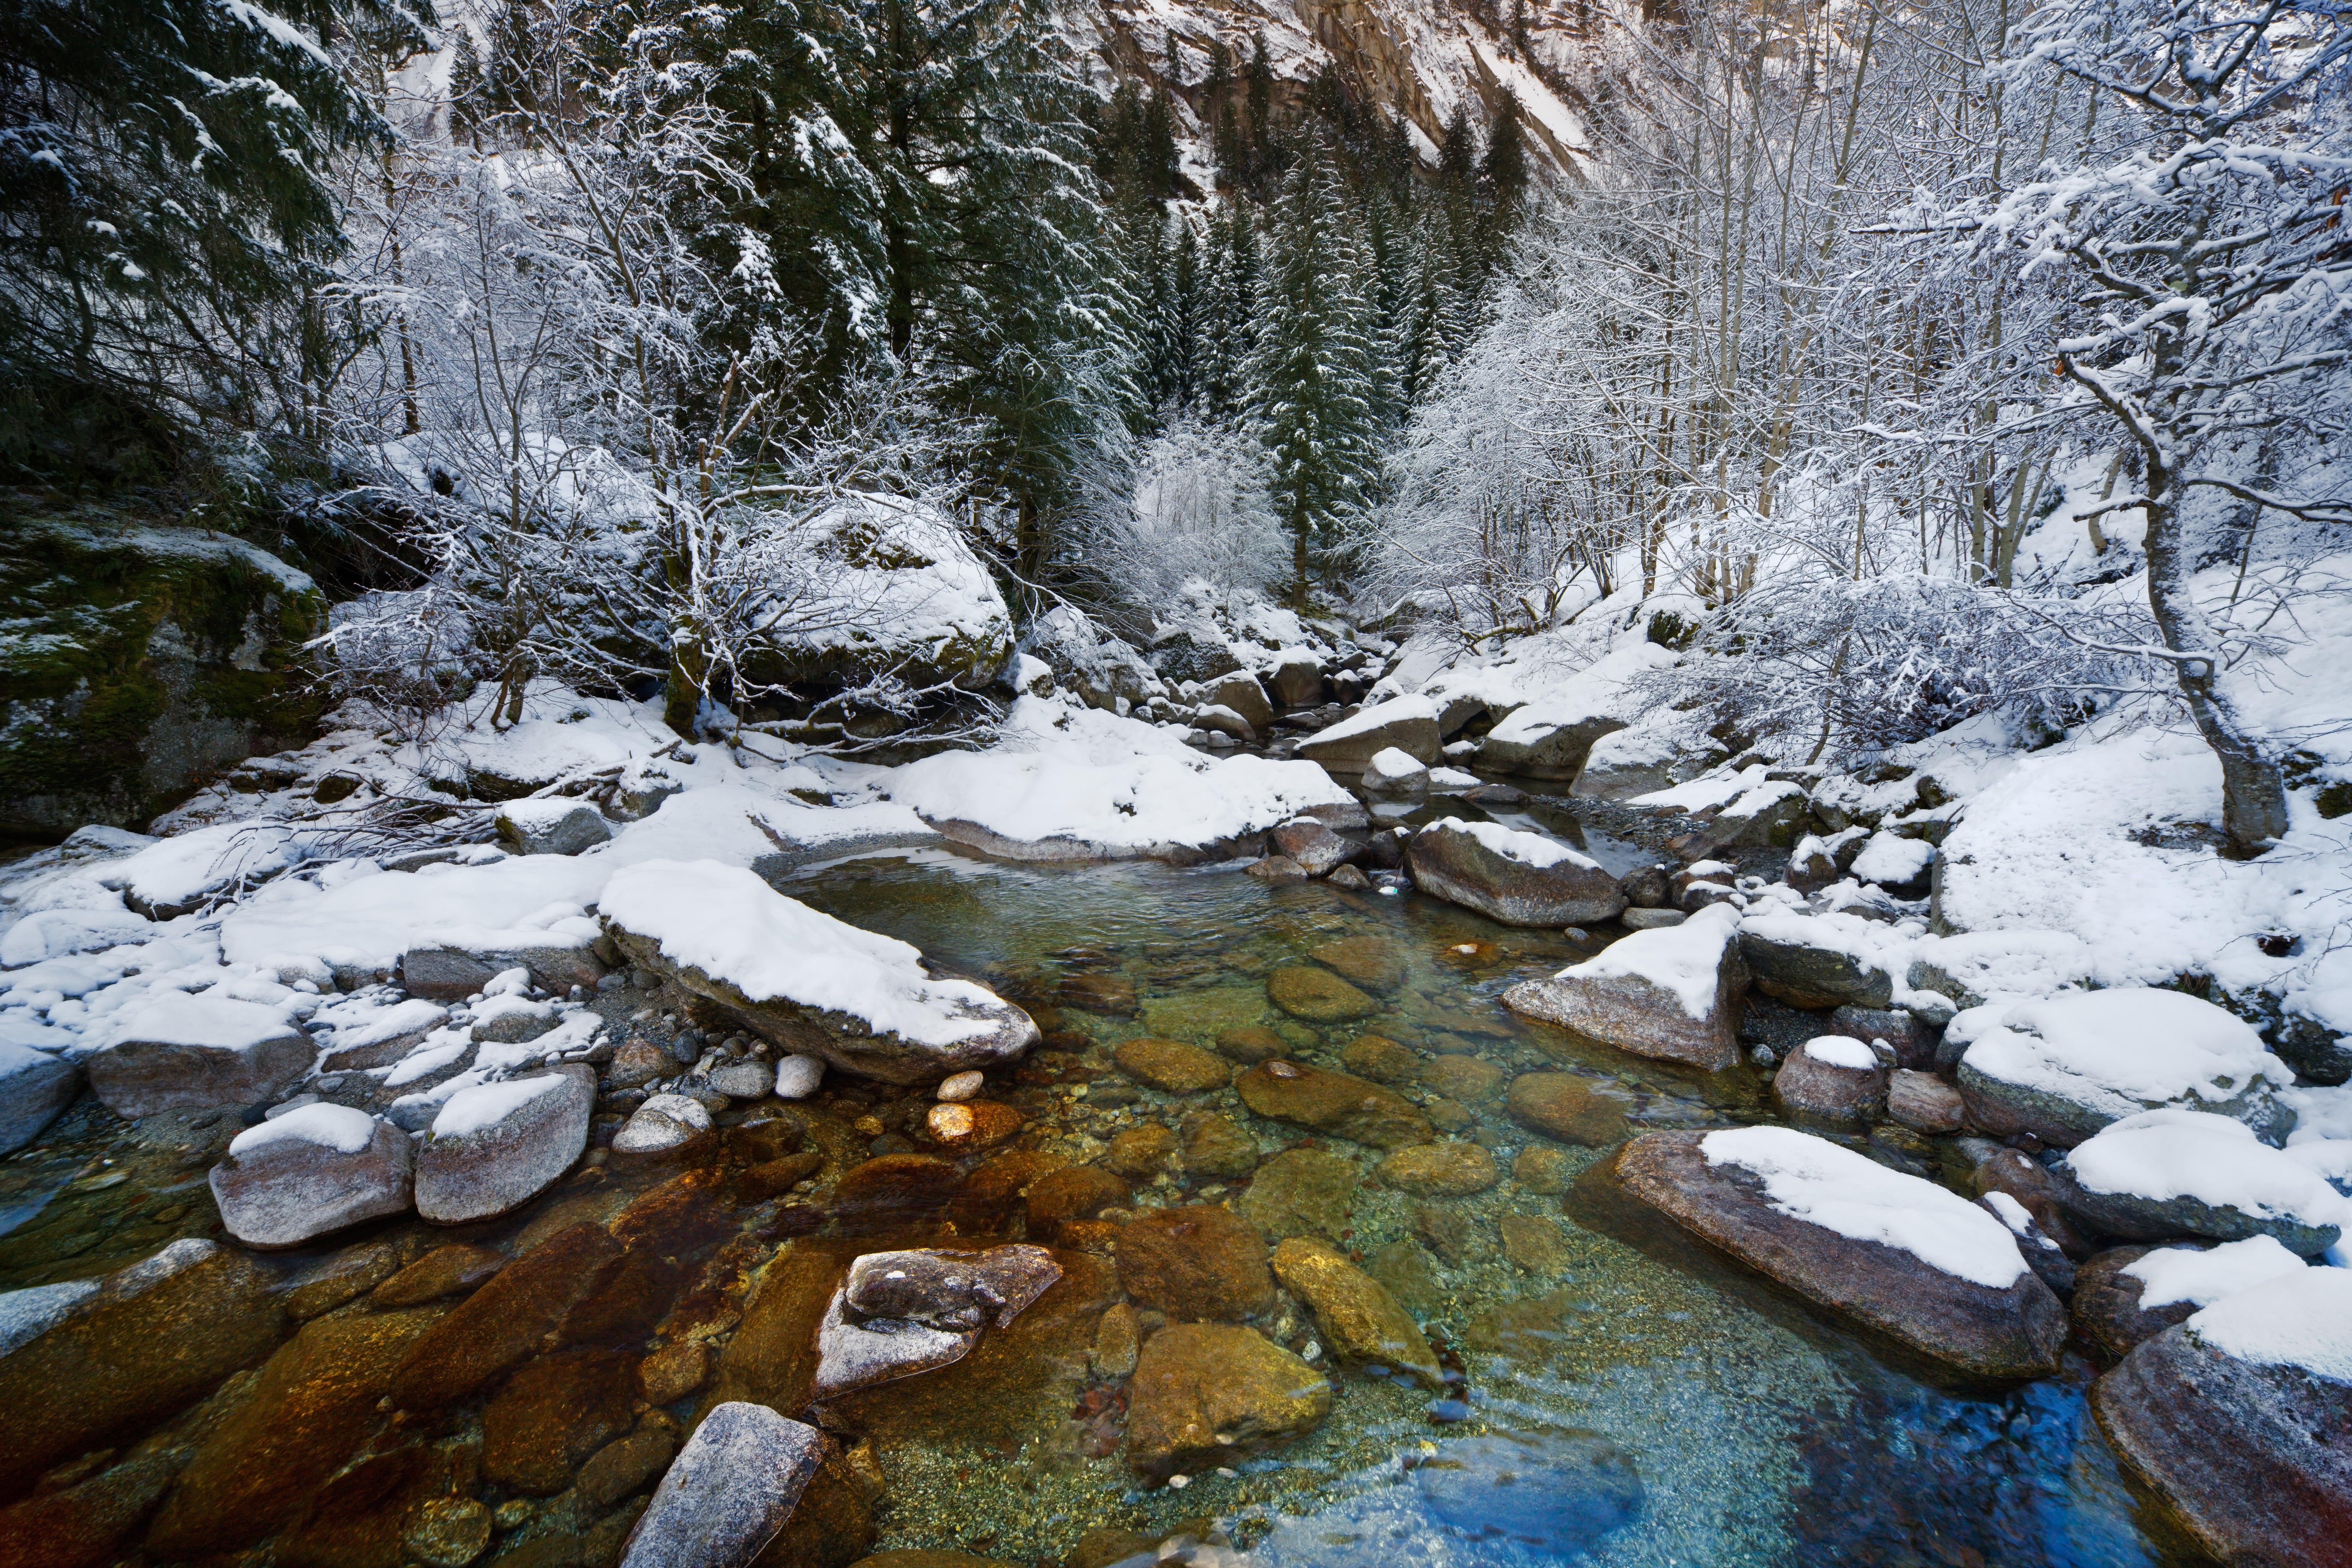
pixel 1760 1433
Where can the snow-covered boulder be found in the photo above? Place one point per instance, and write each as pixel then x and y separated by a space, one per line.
pixel 1217 719
pixel 1552 737
pixel 314 1169
pixel 552 825
pixel 2224 1415
pixel 1646 756
pixel 2188 1172
pixel 1241 692
pixel 1101 670
pixel 1672 993
pixel 194 871
pixel 2066 1066
pixel 179 1052
pixel 1395 774
pixel 498 1145
pixel 1833 1078
pixel 664 1122
pixel 1974 968
pixel 1890 1251
pixel 2127 1295
pixel 376 1036
pixel 1813 961
pixel 805 980
pixel 35 1089
pixel 1406 724
pixel 1519 878
pixel 729 1491
pixel 1895 862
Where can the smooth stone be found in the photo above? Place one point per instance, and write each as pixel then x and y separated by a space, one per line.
pixel 2105 1307
pixel 1196 1262
pixel 1555 1492
pixel 444 1271
pixel 972 1123
pixel 1172 1065
pixel 1405 1269
pixel 1652 919
pixel 1302 1192
pixel 673 1372
pixel 891 1190
pixel 1207 1393
pixel 1278 869
pixel 664 1122
pixel 1317 995
pixel 1448 1169
pixel 1382 1060
pixel 1356 1317
pixel 1409 724
pixel 729 1491
pixel 290 1190
pixel 441 972
pixel 1471 1079
pixel 637 1063
pixel 1533 1242
pixel 624 1464
pixel 1338 1103
pixel 550 826
pixel 1563 1106
pixel 1250 1044
pixel 960 1086
pixel 1373 962
pixel 507 1318
pixel 797 1077
pixel 1925 1103
pixel 745 1079
pixel 1804 974
pixel 1913 1042
pixel 954 1291
pixel 1072 1193
pixel 1449 861
pixel 1297 682
pixel 490 1170
pixel 1313 847
pixel 1240 692
pixel 447 1532
pixel 1140 1154
pixel 2294 1205
pixel 551 1414
pixel 1349 878
pixel 175 1059
pixel 1811 1085
pixel 1217 1147
pixel 1543 1171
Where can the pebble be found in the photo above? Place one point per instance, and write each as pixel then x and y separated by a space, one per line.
pixel 960 1086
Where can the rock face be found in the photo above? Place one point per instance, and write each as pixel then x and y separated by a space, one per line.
pixel 1556 1493
pixel 1407 723
pixel 1673 994
pixel 1196 1262
pixel 1519 878
pixel 1354 1312
pixel 1208 1394
pixel 310 1172
pixel 729 1491
pixel 2186 1172
pixel 1792 957
pixel 1834 1077
pixel 1333 1103
pixel 497 1146
pixel 35 1089
pixel 806 981
pixel 189 1053
pixel 2242 1438
pixel 2012 1329
pixel 2062 1068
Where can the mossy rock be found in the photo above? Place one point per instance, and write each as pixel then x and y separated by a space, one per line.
pixel 137 661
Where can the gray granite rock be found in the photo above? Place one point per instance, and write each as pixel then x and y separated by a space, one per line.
pixel 494 1147
pixel 729 1491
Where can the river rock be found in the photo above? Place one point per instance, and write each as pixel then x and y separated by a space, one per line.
pixel 728 1492
pixel 1334 1102
pixel 1808 961
pixel 1674 994
pixel 1296 681
pixel 2129 1294
pixel 1195 1262
pixel 1210 1393
pixel 2188 1172
pixel 1073 1192
pixel 188 1053
pixel 551 1414
pixel 444 1271
pixel 2066 1066
pixel 1356 1317
pixel 1302 1192
pixel 1250 1044
pixel 1924 1102
pixel 35 1089
pixel 2236 1417
pixel 1141 1152
pixel 893 1190
pixel 1834 1077
pixel 1317 995
pixel 1449 1168
pixel 1172 1065
pixel 496 1146
pixel 664 1122
pixel 1407 723
pixel 1215 719
pixel 1393 775
pixel 1543 1171
pixel 748 1079
pixel 1318 851
pixel 1218 1148
pixel 1241 693
pixel 1956 1289
pixel 1519 878
pixel 446 971
pixel 551 826
pixel 1557 1492
pixel 1278 869
pixel 805 980
pixel 1370 962
pixel 310 1172
pixel 1473 1080
pixel 1913 1042
pixel 1382 1060
pixel 954 1291
pixel 1563 1106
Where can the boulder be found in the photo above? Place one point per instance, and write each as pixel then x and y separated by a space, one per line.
pixel 1206 1395
pixel 1913 1042
pixel 2064 1066
pixel 1278 869
pixel 1356 1317
pixel 2129 1294
pixel 1218 1148
pixel 441 971
pixel 1371 961
pixel 1184 653
pixel 1215 719
pixel 1548 739
pixel 2190 1172
pixel 1240 695
pixel 1195 1262
pixel 1623 763
pixel 1519 878
pixel 664 1122
pixel 805 980
pixel 1896 1253
pixel 728 1492
pixel 899 1313
pixel 1924 1102
pixel 1380 1060
pixel 35 1089
pixel 1395 775
pixel 1317 995
pixel 1834 1077
pixel 1407 723
pixel 1772 814
pixel 551 826
pixel 1564 1106
pixel 2223 1417
pixel 189 1053
pixel 1452 1169
pixel 1671 993
pixel 496 1146
pixel 309 1172
pixel 1555 1492
pixel 1302 1192
pixel 1296 681
pixel 1812 961
pixel 1333 1103
pixel 1314 846
pixel 1174 1066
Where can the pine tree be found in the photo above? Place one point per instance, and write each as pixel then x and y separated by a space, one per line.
pixel 1316 369
pixel 1258 97
pixel 465 88
pixel 1228 314
pixel 1503 179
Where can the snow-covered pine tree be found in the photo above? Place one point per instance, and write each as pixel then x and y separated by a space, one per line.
pixel 1228 314
pixel 1315 371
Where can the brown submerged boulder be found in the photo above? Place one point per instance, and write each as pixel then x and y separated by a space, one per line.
pixel 1334 1102
pixel 1172 1065
pixel 1204 1394
pixel 2014 1330
pixel 1196 1262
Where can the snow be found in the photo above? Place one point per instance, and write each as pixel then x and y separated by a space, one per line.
pixel 1392 765
pixel 1718 788
pixel 1374 717
pixel 1681 958
pixel 1598 691
pixel 2216 1160
pixel 2119 1052
pixel 1813 1180
pixel 1526 848
pixel 2170 1274
pixel 531 900
pixel 488 1104
pixel 435 1051
pixel 1888 858
pixel 2009 964
pixel 1448 778
pixel 391 1022
pixel 896 574
pixel 733 927
pixel 2302 1321
pixel 181 869
pixel 336 1126
pixel 1840 1051
pixel 221 1023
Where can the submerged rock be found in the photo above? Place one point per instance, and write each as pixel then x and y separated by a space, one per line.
pixel 1890 1251
pixel 1334 1102
pixel 1354 1312
pixel 1565 1106
pixel 188 1053
pixel 309 1172
pixel 1302 1192
pixel 35 1089
pixel 1172 1065
pixel 1519 878
pixel 1671 993
pixel 498 1145
pixel 1317 995
pixel 1209 1393
pixel 805 980
pixel 729 1491
pixel 1556 1493
pixel 1195 1262
pixel 1449 1169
